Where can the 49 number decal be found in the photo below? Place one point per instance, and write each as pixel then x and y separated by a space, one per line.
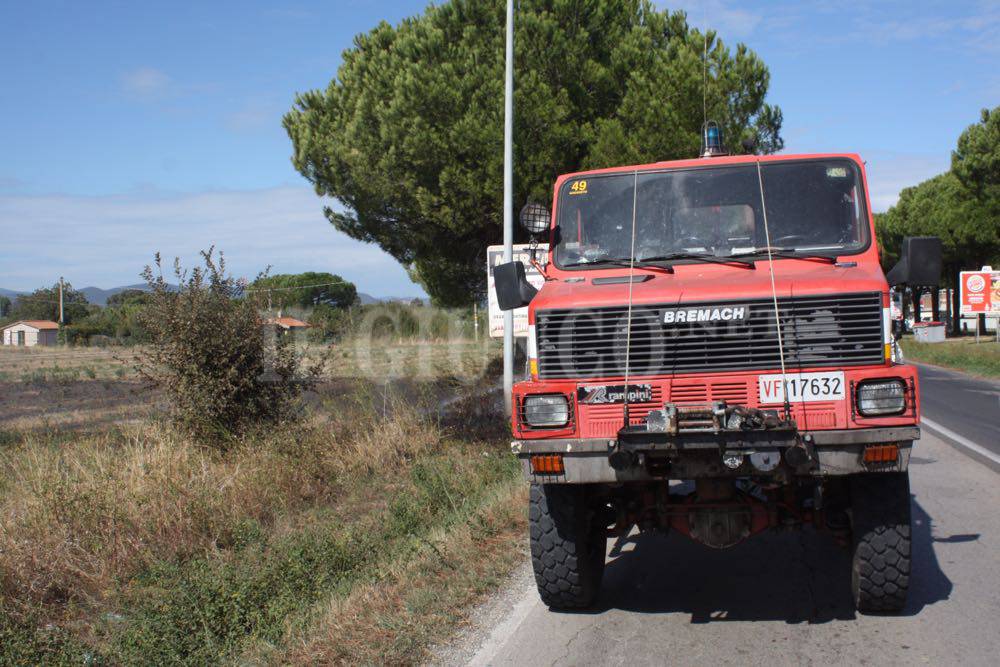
pixel 578 188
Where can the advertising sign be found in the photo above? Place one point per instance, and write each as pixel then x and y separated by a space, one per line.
pixel 494 256
pixel 980 292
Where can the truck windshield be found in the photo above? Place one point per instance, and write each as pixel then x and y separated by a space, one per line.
pixel 813 207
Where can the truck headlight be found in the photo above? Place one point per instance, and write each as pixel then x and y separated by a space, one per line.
pixel 546 410
pixel 881 397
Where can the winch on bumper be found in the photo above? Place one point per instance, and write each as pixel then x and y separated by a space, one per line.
pixel 715 440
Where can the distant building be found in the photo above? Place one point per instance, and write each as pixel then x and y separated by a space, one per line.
pixel 29 333
pixel 287 324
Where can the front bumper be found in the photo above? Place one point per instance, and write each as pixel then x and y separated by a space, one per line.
pixel 695 455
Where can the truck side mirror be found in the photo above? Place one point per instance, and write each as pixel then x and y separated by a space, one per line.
pixel 919 262
pixel 513 288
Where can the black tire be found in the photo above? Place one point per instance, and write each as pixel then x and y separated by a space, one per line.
pixel 880 573
pixel 568 545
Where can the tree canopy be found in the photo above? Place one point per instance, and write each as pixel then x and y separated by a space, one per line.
pixel 128 297
pixel 976 159
pixel 961 206
pixel 4 305
pixel 43 304
pixel 409 135
pixel 306 290
pixel 942 207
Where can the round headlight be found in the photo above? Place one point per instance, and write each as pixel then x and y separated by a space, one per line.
pixel 535 218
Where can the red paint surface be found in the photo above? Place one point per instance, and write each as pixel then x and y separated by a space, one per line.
pixel 700 282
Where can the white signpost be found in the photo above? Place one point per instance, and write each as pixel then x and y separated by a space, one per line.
pixel 494 256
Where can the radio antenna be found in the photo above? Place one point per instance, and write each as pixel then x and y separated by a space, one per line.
pixel 774 295
pixel 631 277
pixel 704 62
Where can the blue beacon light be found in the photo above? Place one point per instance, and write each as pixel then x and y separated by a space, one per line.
pixel 712 138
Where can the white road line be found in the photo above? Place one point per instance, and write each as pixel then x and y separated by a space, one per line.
pixel 502 633
pixel 960 440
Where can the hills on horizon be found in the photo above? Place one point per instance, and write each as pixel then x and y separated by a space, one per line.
pixel 99 297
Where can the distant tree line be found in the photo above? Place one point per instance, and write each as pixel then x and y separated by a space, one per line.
pixel 321 299
pixel 961 206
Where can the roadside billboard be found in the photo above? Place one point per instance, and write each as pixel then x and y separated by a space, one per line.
pixel 980 292
pixel 494 256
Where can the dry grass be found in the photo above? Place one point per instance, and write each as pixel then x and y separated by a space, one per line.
pixel 464 359
pixel 54 364
pixel 43 390
pixel 365 519
pixel 75 518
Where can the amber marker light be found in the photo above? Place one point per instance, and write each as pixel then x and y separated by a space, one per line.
pixel 881 453
pixel 547 464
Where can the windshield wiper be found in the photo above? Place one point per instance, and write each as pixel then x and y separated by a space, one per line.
pixel 705 257
pixel 786 253
pixel 639 264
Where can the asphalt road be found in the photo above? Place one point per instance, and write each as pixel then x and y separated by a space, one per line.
pixel 963 405
pixel 783 598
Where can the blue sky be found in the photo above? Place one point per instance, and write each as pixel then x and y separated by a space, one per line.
pixel 127 128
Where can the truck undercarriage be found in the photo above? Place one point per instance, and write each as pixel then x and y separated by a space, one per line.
pixel 719 474
pixel 868 514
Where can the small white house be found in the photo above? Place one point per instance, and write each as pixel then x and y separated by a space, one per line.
pixel 28 333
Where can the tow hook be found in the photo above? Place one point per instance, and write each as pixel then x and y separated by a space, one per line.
pixel 621 460
pixel 798 454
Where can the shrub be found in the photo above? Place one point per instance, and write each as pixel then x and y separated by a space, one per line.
pixel 212 355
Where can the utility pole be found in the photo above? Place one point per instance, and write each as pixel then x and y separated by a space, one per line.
pixel 60 332
pixel 508 204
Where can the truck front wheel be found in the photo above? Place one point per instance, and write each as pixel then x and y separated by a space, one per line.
pixel 568 544
pixel 880 508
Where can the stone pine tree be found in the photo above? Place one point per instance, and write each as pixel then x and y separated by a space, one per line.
pixel 306 290
pixel 408 137
pixel 976 159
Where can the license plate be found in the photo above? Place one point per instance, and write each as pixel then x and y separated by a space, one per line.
pixel 802 387
pixel 614 393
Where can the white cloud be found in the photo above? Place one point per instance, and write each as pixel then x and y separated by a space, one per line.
pixel 254 115
pixel 965 27
pixel 728 19
pixel 11 183
pixel 146 83
pixel 105 241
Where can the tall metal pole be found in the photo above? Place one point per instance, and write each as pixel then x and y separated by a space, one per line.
pixel 508 204
pixel 60 333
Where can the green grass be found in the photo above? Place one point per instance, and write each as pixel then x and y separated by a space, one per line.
pixel 964 354
pixel 27 643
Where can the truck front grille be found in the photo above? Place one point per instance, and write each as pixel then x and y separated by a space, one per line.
pixel 841 330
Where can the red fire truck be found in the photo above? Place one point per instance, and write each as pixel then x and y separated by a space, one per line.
pixel 711 354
